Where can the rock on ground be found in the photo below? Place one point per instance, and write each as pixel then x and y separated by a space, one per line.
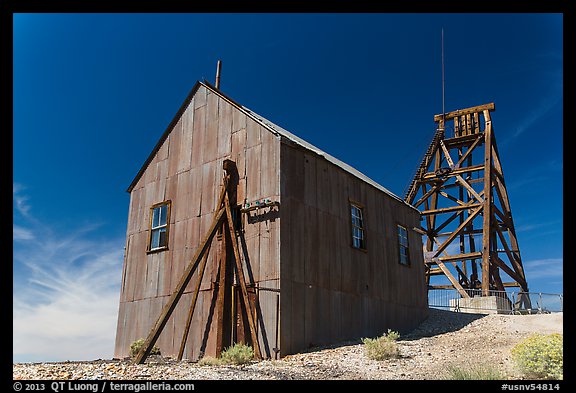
pixel 445 338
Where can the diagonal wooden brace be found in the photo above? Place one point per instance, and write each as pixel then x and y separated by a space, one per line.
pixel 171 305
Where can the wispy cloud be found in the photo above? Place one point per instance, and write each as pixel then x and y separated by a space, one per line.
pixel 534 116
pixel 537 174
pixel 66 293
pixel 537 225
pixel 549 268
pixel 550 101
pixel 20 200
pixel 21 234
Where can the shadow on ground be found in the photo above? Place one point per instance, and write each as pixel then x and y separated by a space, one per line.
pixel 440 322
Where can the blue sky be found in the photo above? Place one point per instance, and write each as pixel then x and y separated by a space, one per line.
pixel 94 92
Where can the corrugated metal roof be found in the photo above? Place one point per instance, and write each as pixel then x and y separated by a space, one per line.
pixel 301 142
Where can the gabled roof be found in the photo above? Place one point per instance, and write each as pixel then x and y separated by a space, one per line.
pixel 274 128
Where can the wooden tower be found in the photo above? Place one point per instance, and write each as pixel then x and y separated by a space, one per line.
pixel 467 226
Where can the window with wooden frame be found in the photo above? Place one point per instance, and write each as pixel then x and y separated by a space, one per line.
pixel 159 225
pixel 403 246
pixel 357 221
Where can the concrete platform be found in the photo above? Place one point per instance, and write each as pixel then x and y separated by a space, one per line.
pixel 481 305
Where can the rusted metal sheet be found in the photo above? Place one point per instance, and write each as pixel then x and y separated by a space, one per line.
pixel 198 137
pixel 238 151
pixel 210 145
pixel 139 260
pixel 238 121
pixel 253 169
pixel 224 129
pixel 200 97
pixel 335 298
pixel 309 180
pixel 253 130
pixel 269 166
pixel 297 319
pixel 209 187
pixel 174 149
pixel 185 156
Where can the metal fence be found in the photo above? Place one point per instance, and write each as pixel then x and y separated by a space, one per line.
pixel 501 302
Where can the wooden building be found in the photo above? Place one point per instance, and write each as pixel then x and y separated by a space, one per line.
pixel 335 258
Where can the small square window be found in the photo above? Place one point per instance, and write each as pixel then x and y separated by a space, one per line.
pixel 358 235
pixel 159 220
pixel 403 246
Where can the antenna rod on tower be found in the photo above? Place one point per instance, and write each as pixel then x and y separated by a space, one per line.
pixel 218 66
pixel 443 108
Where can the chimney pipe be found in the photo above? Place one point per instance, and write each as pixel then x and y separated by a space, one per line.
pixel 217 85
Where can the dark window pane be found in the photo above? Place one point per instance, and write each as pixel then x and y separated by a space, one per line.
pixel 162 241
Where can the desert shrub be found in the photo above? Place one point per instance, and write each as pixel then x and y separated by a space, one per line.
pixel 474 372
pixel 237 354
pixel 209 361
pixel 540 356
pixel 137 345
pixel 383 347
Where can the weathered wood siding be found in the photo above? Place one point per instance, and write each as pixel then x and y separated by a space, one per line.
pixel 331 291
pixel 187 170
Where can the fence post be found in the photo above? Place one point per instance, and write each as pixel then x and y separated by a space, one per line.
pixel 539 302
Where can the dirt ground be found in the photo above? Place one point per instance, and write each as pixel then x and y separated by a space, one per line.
pixel 444 339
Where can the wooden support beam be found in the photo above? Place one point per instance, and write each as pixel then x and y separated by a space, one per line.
pixel 505 220
pixel 193 303
pixel 502 265
pixel 457 231
pixel 478 140
pixel 466 232
pixel 476 123
pixel 433 287
pixel 453 280
pixel 456 127
pixel 470 181
pixel 223 284
pixel 468 187
pixel 486 223
pixel 461 257
pixel 448 221
pixel 435 272
pixel 450 209
pixel 469 169
pixel 453 199
pixel 446 154
pixel 241 280
pixel 454 216
pixel 463 140
pixel 434 188
pixel 511 256
pixel 434 198
pixel 469 124
pixel 171 305
pixel 461 112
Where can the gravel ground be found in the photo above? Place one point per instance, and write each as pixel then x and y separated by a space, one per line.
pixel 445 338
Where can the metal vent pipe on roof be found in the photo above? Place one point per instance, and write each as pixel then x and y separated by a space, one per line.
pixel 218 67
